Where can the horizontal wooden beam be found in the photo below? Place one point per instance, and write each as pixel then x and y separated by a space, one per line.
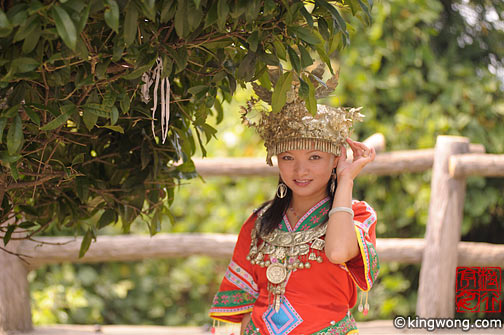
pixel 387 163
pixel 139 247
pixel 475 164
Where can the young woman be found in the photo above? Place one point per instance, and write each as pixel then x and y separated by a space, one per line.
pixel 299 258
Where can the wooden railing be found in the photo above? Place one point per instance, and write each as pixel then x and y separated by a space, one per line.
pixel 439 252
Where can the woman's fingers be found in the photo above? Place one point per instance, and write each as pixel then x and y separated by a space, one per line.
pixel 343 153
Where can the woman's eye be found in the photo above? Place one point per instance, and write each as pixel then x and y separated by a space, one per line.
pixel 286 158
pixel 315 157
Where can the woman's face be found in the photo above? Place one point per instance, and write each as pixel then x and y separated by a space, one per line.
pixel 306 172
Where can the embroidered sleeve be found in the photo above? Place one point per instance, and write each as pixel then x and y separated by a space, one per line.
pixel 364 267
pixel 238 290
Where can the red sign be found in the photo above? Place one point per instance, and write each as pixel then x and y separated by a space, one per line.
pixel 478 289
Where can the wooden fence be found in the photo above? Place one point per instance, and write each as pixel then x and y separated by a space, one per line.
pixel 452 160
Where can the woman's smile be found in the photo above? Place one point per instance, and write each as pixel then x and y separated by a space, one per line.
pixel 302 182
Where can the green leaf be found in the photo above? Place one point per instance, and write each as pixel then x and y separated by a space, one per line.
pixel 27 224
pixel 197 89
pixel 24 64
pixel 311 101
pixel 114 115
pixel 31 41
pixel 280 49
pixel 78 159
pixel 82 185
pixel 180 56
pixel 15 137
pixel 86 242
pixel 181 22
pixel 218 109
pixel 32 115
pixel 155 224
pixel 265 81
pixel 323 28
pixel 247 67
pixel 211 15
pixel 5 157
pixel 365 8
pixel 8 233
pixel 308 17
pixel 294 59
pixel 107 218
pixel 89 119
pixel 5 25
pixel 305 35
pixel 168 10
pixel 148 9
pixel 139 71
pixel 324 57
pixel 97 109
pixel 66 111
pixel 64 26
pixel 279 96
pixel 111 15
pixel 83 19
pixel 27 28
pixel 253 41
pixel 14 171
pixel 338 19
pixel 306 59
pixel 30 210
pixel 223 12
pixel 3 122
pixel 194 19
pixel 124 103
pixel 130 23
pixel 209 132
pixel 118 129
pixel 145 156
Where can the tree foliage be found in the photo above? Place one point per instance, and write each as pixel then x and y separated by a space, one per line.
pixel 423 69
pixel 76 125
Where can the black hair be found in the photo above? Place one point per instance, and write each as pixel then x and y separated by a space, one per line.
pixel 274 214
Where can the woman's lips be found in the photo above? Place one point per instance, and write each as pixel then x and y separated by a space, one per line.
pixel 302 182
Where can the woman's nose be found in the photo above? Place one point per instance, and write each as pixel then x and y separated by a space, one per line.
pixel 300 168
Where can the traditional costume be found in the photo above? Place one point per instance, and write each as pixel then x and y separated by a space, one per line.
pixel 284 278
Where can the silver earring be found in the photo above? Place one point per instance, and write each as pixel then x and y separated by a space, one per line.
pixel 281 190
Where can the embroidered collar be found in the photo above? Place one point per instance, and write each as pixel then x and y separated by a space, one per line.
pixel 315 216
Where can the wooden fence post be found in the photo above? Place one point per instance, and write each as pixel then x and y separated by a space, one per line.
pixel 436 292
pixel 15 312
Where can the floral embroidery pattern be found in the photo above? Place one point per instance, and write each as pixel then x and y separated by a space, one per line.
pixel 244 274
pixel 316 215
pixel 232 298
pixel 368 251
pixel 342 327
pixel 240 283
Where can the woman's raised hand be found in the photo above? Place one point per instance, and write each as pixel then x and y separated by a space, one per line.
pixel 362 155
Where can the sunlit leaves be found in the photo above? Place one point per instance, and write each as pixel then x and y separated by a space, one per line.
pixel 279 96
pixel 73 75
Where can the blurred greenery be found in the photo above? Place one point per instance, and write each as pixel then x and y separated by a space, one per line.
pixel 421 70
